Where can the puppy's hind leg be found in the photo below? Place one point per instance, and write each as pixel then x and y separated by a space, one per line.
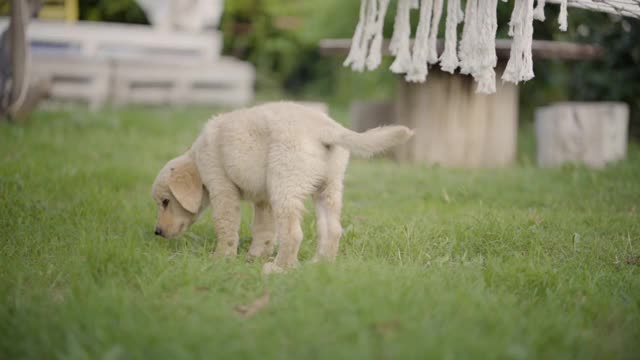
pixel 262 230
pixel 328 206
pixel 321 226
pixel 289 234
pixel 294 170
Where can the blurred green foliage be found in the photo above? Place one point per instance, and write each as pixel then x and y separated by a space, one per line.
pixel 126 11
pixel 615 77
pixel 280 37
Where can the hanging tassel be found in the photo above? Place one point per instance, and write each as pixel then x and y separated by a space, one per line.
pixel 516 16
pixel 469 38
pixel 486 81
pixel 375 50
pixel 538 13
pixel 512 70
pixel 527 60
pixel 476 48
pixel 357 53
pixel 449 58
pixel 487 25
pixel 400 40
pixel 562 17
pixel 520 65
pixel 370 23
pixel 432 55
pixel 394 43
pixel 419 69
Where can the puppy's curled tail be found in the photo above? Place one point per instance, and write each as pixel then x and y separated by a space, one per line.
pixel 372 141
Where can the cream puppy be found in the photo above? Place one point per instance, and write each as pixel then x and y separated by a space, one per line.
pixel 273 155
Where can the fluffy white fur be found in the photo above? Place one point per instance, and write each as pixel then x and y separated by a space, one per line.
pixel 274 155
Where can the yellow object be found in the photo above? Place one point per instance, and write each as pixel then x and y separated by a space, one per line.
pixel 60 10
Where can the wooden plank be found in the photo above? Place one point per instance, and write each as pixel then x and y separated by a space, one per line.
pixel 540 49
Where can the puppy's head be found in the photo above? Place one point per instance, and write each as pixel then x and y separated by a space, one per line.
pixel 179 196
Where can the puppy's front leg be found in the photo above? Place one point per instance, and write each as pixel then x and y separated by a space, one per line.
pixel 225 205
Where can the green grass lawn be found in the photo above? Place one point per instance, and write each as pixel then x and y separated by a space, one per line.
pixel 519 263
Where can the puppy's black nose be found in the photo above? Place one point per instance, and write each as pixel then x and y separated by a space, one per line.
pixel 158 231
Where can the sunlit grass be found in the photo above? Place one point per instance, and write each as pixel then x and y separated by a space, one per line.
pixel 434 263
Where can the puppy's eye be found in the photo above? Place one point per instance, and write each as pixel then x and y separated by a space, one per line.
pixel 165 203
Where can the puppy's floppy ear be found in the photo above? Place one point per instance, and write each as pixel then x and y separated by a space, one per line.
pixel 185 185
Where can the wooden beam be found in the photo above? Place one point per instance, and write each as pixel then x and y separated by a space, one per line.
pixel 540 49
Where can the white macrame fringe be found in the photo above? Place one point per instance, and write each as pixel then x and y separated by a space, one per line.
pixel 398 22
pixel 474 53
pixel 478 45
pixel 366 45
pixel 630 8
pixel 432 55
pixel 466 51
pixel 419 69
pixel 487 25
pixel 520 64
pixel 562 17
pixel 357 53
pixel 538 13
pixel 375 51
pixel 449 58
pixel 400 40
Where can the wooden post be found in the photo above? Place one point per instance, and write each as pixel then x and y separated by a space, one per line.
pixel 455 127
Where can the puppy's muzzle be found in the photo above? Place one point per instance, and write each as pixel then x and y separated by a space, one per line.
pixel 158 231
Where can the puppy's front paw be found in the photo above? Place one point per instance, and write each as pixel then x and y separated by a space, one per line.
pixel 271 268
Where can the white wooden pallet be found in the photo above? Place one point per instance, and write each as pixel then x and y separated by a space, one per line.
pixel 225 82
pixel 117 40
pixel 135 64
pixel 75 78
pixel 123 82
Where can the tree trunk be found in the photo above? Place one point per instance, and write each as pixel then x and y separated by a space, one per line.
pixel 455 127
pixel 580 132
